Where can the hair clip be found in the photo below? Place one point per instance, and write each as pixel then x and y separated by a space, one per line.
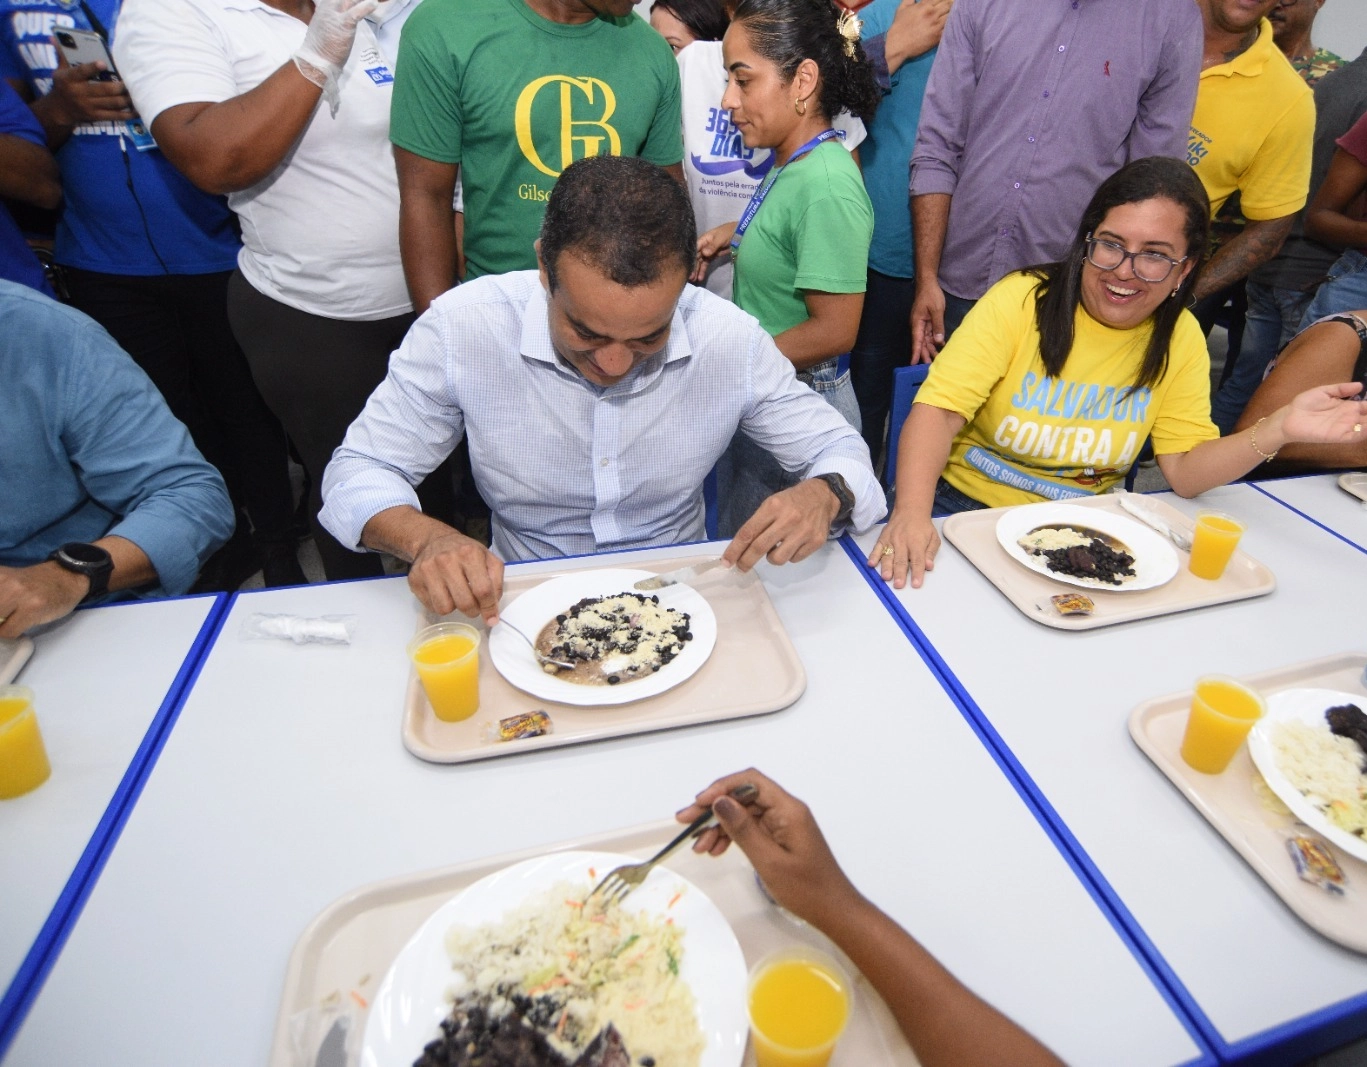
pixel 849 28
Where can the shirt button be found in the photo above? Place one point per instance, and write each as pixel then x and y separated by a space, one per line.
pixel 1062 47
pixel 1016 186
pixel 1046 94
pixel 603 462
pixel 1004 231
pixel 1031 138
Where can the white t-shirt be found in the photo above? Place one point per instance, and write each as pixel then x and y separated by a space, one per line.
pixel 320 232
pixel 721 171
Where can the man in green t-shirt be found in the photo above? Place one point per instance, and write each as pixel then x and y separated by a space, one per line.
pixel 508 93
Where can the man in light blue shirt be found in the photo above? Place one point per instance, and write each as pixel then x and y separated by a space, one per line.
pixel 102 488
pixel 596 394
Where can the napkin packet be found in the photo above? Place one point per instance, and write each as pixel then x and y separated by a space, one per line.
pixel 301 629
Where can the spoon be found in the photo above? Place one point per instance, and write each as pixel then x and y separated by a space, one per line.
pixel 543 660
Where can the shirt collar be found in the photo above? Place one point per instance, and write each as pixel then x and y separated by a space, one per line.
pixel 1251 62
pixel 536 344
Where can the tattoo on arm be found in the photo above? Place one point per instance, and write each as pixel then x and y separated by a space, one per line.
pixel 1259 242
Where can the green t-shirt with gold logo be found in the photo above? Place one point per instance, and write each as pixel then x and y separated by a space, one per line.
pixel 514 99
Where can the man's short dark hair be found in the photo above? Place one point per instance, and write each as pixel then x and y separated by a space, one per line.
pixel 626 217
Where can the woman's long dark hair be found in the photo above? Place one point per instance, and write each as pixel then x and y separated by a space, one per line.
pixel 786 32
pixel 706 19
pixel 1060 288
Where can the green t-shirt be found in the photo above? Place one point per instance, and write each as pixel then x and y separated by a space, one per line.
pixel 812 232
pixel 514 99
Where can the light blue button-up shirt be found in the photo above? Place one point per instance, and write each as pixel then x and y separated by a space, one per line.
pixel 88 448
pixel 568 467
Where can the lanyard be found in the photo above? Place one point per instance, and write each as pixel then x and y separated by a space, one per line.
pixel 757 198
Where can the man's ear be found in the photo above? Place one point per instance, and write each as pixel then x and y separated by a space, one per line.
pixel 541 266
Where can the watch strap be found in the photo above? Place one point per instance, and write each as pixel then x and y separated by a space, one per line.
pixel 842 492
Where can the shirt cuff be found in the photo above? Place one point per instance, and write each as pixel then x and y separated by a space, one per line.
pixel 876 51
pixel 870 504
pixel 931 176
pixel 352 503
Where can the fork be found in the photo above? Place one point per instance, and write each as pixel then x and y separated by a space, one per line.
pixel 620 881
pixel 536 651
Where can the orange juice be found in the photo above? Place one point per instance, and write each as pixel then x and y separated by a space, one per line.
pixel 799 1004
pixel 23 759
pixel 1214 542
pixel 1222 713
pixel 446 657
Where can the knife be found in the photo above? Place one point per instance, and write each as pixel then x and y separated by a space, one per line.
pixel 1145 514
pixel 683 574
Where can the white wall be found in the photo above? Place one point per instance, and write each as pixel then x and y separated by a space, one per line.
pixel 1341 27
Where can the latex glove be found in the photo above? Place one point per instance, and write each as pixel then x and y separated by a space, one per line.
pixel 327 44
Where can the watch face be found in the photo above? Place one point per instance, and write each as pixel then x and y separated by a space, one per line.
pixel 83 553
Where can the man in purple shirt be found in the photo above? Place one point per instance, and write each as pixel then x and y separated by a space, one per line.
pixel 1028 109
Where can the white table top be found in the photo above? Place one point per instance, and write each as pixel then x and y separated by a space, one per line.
pixel 99 679
pixel 1061 702
pixel 1319 497
pixel 285 784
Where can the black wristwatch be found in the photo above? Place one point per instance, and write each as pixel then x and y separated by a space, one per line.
pixel 842 494
pixel 91 560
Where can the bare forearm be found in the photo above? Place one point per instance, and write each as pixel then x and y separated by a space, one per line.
pixel 28 173
pixel 1221 461
pixel 403 532
pixel 1336 229
pixel 57 125
pixel 821 337
pixel 427 226
pixel 230 146
pixel 1258 243
pixel 922 453
pixel 929 223
pixel 946 1024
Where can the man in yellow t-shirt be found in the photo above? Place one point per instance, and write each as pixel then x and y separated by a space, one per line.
pixel 1030 436
pixel 1251 133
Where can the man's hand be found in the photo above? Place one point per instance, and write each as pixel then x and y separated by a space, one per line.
pixel 927 321
pixel 77 98
pixel 711 245
pixel 916 29
pixel 453 572
pixel 31 596
pixel 780 837
pixel 787 528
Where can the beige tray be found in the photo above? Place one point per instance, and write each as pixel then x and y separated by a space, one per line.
pixel 753 670
pixel 974 533
pixel 1354 485
pixel 1235 802
pixel 341 958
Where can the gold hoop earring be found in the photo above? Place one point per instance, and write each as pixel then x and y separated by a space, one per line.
pixel 800 106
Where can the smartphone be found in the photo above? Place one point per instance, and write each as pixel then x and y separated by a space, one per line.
pixel 86 46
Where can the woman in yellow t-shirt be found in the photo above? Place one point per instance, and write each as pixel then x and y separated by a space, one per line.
pixel 1059 373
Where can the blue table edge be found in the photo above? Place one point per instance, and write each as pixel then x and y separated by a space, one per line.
pixel 1306 1036
pixel 42 955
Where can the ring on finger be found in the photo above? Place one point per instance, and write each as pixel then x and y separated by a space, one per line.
pixel 887 551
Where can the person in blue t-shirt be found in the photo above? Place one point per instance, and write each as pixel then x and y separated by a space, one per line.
pixel 148 256
pixel 899 39
pixel 28 173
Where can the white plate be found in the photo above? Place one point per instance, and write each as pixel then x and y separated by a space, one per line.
pixel 1355 484
pixel 538 605
pixel 1155 560
pixel 411 1001
pixel 1308 706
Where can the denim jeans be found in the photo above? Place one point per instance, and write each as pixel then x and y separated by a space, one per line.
pixel 956 307
pixel 1273 317
pixel 883 345
pixel 747 474
pixel 950 501
pixel 1344 290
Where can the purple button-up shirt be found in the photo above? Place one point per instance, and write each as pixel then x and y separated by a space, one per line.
pixel 1031 105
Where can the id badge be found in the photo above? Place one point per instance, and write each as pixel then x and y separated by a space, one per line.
pixel 140 135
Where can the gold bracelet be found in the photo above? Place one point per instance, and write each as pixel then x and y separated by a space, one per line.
pixel 1253 440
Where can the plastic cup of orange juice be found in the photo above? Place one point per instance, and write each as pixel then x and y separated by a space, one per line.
pixel 1217 536
pixel 799 1005
pixel 1222 713
pixel 23 759
pixel 446 657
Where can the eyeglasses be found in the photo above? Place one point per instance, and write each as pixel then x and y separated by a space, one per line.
pixel 1148 266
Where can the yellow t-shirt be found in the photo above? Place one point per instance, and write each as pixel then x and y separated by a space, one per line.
pixel 1252 132
pixel 1030 437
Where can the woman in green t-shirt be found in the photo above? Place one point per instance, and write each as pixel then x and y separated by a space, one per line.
pixel 1060 372
pixel 801 247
